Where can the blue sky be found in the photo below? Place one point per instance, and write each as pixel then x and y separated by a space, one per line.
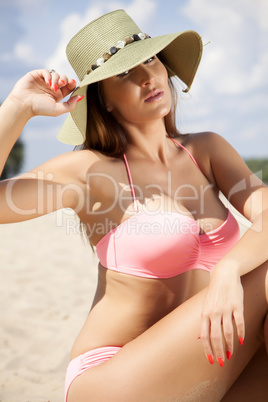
pixel 229 94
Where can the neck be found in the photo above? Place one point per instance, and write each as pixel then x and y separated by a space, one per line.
pixel 148 141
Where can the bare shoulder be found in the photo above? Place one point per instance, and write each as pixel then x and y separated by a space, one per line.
pixel 214 149
pixel 204 146
pixel 77 159
pixel 204 141
pixel 227 166
pixel 91 161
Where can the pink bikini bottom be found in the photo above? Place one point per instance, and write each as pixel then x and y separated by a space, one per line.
pixel 86 361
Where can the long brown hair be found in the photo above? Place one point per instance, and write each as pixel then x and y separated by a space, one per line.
pixel 105 134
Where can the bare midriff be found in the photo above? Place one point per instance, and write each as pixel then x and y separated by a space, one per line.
pixel 125 306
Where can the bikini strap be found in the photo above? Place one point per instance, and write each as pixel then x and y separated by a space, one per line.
pixel 136 208
pixel 189 153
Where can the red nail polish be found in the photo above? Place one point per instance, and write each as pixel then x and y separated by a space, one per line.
pixel 55 87
pixel 228 354
pixel 241 340
pixel 72 81
pixel 62 82
pixel 78 100
pixel 49 83
pixel 210 359
pixel 220 361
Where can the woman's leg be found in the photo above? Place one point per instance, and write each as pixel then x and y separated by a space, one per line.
pixel 167 363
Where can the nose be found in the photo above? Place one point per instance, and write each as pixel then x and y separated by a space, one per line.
pixel 146 76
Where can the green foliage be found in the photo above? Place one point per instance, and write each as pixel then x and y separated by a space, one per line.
pixel 14 162
pixel 259 165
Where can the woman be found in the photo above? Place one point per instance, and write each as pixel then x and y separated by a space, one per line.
pixel 148 199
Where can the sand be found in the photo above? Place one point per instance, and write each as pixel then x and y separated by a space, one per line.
pixel 48 278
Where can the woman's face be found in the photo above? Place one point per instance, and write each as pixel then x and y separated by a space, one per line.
pixel 139 95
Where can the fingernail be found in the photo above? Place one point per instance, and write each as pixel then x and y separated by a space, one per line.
pixel 220 361
pixel 72 81
pixel 241 340
pixel 62 82
pixel 228 354
pixel 55 87
pixel 210 359
pixel 49 83
pixel 79 99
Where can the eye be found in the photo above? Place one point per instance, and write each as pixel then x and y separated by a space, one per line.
pixel 150 60
pixel 123 74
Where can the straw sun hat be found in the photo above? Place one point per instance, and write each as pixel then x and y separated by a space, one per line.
pixel 112 44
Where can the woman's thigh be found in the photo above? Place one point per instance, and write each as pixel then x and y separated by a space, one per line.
pixel 167 363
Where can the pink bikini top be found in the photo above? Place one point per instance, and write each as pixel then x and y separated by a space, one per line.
pixel 164 244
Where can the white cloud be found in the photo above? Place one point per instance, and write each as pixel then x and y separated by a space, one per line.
pixel 229 94
pixel 250 133
pixel 139 10
pixel 235 63
pixel 259 8
pixel 24 52
pixel 237 59
pixel 58 60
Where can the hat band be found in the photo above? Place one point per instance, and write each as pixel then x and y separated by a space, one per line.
pixel 114 49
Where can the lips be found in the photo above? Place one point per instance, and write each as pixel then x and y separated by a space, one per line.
pixel 154 95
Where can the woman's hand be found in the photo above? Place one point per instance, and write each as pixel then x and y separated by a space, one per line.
pixel 41 92
pixel 222 309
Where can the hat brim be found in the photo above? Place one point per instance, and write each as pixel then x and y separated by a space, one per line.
pixel 181 51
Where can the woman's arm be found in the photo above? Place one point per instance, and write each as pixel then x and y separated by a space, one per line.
pixel 249 195
pixel 224 300
pixel 54 185
pixel 44 189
